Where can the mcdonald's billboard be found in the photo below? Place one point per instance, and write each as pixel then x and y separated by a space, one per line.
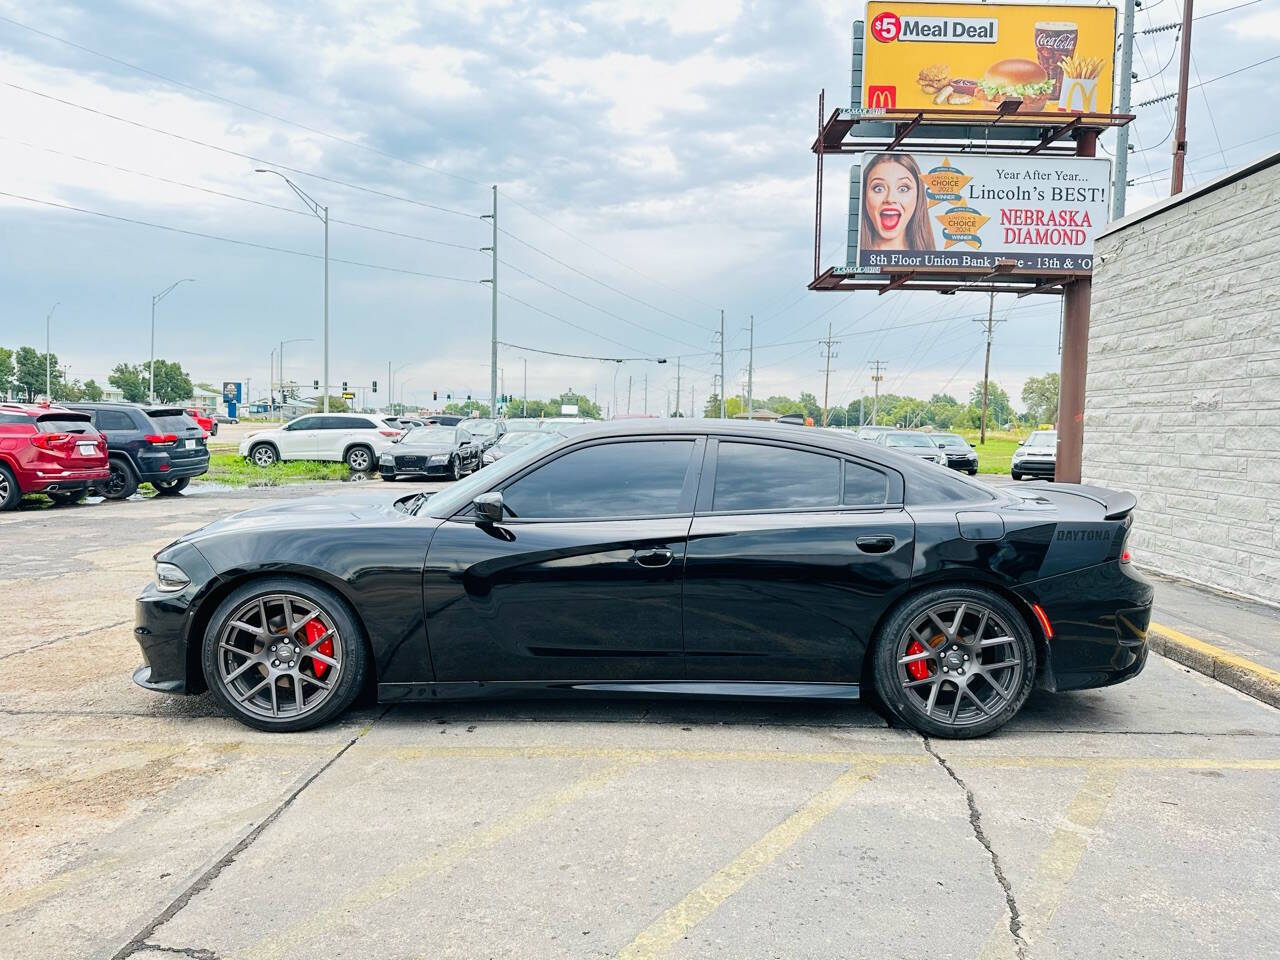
pixel 974 56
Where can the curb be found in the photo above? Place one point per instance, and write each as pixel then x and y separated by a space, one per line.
pixel 1255 680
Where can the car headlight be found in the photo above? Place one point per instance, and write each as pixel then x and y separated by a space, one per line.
pixel 170 578
pixel 387 459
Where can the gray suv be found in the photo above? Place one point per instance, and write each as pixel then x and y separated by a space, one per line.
pixel 159 445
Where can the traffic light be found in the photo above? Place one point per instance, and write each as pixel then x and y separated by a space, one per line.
pixel 315 384
pixel 434 397
pixel 448 396
pixel 344 386
pixel 468 397
pixel 375 386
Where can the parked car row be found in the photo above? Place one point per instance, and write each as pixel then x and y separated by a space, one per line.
pixel 67 452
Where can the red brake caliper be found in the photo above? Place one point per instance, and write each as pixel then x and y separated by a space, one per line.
pixel 315 630
pixel 919 669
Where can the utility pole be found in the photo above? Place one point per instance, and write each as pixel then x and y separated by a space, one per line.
pixel 751 359
pixel 1180 132
pixel 493 282
pixel 1122 136
pixel 876 377
pixel 691 397
pixel 390 395
pixel 629 378
pixel 677 410
pixel 48 321
pixel 524 402
pixel 646 393
pixel 721 367
pixel 826 380
pixel 986 369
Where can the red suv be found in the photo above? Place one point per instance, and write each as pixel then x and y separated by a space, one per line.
pixel 207 424
pixel 50 450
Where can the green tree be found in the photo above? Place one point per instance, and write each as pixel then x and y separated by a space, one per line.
pixel 92 392
pixel 999 410
pixel 712 409
pixel 585 407
pixel 1040 396
pixel 336 404
pixel 30 376
pixel 172 383
pixel 7 372
pixel 130 380
pixel 811 407
pixel 68 392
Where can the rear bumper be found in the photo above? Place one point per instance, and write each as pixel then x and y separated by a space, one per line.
pixel 1099 617
pixel 42 480
pixel 150 468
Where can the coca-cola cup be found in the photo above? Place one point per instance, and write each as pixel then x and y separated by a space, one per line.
pixel 1055 41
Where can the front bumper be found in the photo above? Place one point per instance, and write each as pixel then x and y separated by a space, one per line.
pixel 1099 617
pixel 419 468
pixel 962 462
pixel 1035 468
pixel 163 626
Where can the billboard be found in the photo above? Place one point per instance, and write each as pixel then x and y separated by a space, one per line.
pixel 941 212
pixel 974 56
pixel 231 392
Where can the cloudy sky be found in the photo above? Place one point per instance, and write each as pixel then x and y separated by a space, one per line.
pixel 652 164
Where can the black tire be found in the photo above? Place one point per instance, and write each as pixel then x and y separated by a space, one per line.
pixel 213 429
pixel 264 455
pixel 10 494
pixel 360 459
pixel 168 488
pixel 922 701
pixel 973 472
pixel 455 469
pixel 65 498
pixel 389 476
pixel 354 657
pixel 1015 474
pixel 122 483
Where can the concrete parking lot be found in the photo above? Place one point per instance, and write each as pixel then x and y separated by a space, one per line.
pixel 1137 821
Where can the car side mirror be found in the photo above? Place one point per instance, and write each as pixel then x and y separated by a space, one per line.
pixel 1022 443
pixel 489 507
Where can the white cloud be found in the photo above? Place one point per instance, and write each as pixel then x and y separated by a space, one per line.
pixel 678 16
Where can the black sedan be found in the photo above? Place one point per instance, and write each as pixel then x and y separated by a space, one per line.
pixel 431 452
pixel 960 456
pixel 660 558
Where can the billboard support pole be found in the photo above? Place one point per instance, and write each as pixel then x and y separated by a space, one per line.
pixel 817 217
pixel 1122 135
pixel 1075 356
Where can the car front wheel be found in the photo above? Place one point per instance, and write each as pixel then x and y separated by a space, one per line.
pixel 10 495
pixel 284 654
pixel 955 662
pixel 359 459
pixel 263 455
pixel 1015 474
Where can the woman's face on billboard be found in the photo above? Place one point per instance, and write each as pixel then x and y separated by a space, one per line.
pixel 892 195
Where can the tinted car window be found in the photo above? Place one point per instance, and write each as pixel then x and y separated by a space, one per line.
pixel 306 423
pixel 64 423
pixel 173 423
pixel 635 479
pixel 931 485
pixel 864 487
pixel 114 420
pixel 752 476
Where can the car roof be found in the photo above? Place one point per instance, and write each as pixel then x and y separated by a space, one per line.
pixel 34 409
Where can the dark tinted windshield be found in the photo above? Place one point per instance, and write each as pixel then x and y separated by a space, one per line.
pixel 949 439
pixel 430 435
pixel 65 423
pixel 907 440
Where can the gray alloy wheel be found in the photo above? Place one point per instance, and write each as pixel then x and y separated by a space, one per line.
pixel 263 455
pixel 283 654
pixel 955 662
pixel 455 471
pixel 10 495
pixel 360 459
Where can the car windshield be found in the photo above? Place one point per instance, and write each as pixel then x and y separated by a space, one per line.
pixel 430 435
pixel 522 426
pixel 949 440
pixel 907 440
pixel 458 495
pixel 522 439
pixel 1042 441
pixel 482 428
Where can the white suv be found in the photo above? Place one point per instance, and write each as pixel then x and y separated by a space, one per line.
pixel 356 438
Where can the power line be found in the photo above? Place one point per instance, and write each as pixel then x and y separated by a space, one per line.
pixel 237 153
pixel 232 196
pixel 235 103
pixel 576 326
pixel 578 356
pixel 587 303
pixel 1206 83
pixel 232 240
pixel 583 273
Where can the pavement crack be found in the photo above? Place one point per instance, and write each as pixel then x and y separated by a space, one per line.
pixel 69 636
pixel 197 953
pixel 202 882
pixel 975 821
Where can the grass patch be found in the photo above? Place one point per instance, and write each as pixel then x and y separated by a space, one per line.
pixel 234 470
pixel 996 454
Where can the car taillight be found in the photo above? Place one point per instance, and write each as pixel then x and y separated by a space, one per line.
pixel 1126 556
pixel 47 441
pixel 161 439
pixel 204 434
pixel 390 433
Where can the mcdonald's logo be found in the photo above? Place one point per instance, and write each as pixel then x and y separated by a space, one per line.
pixel 884 97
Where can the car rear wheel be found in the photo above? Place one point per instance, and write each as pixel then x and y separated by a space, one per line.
pixel 10 495
pixel 213 429
pixel 359 459
pixel 455 470
pixel 284 654
pixel 65 498
pixel 121 482
pixel 263 455
pixel 955 662
pixel 167 488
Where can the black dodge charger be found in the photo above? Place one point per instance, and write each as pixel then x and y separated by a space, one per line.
pixel 655 558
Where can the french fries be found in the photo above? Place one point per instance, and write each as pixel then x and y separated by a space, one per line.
pixel 1081 68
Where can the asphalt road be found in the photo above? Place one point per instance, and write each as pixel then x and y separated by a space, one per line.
pixel 1139 821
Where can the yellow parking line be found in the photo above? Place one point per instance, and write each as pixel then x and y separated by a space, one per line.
pixel 675 923
pixel 1058 864
pixel 313 927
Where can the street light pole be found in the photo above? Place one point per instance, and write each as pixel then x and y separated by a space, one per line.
pixel 321 213
pixel 282 343
pixel 48 384
pixel 151 389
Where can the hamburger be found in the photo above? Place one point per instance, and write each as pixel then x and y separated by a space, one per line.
pixel 1015 79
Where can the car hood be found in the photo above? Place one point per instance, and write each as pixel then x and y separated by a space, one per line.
pixel 421 449
pixel 327 512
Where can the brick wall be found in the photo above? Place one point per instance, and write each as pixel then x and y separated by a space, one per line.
pixel 1183 399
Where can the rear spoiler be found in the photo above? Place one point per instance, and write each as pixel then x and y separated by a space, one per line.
pixel 1116 504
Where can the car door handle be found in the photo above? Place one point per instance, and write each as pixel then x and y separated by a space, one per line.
pixel 652 558
pixel 875 544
